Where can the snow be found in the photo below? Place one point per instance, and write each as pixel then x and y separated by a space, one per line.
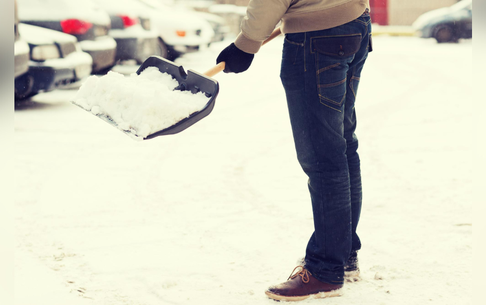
pixel 80 60
pixel 228 9
pixel 135 31
pixel 117 7
pixel 21 47
pixel 219 212
pixel 39 35
pixel 51 10
pixel 100 43
pixel 142 104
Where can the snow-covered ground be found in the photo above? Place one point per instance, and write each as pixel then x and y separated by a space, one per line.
pixel 216 214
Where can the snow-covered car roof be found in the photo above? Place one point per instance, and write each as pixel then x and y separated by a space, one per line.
pixel 47 10
pixel 133 7
pixel 175 16
pixel 39 35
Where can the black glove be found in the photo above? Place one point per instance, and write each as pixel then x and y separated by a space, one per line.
pixel 236 60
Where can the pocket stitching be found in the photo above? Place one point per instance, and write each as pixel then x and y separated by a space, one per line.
pixel 328 67
pixel 294 43
pixel 321 97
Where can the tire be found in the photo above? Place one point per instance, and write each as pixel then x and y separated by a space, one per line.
pixel 24 87
pixel 103 71
pixel 173 54
pixel 444 33
pixel 163 50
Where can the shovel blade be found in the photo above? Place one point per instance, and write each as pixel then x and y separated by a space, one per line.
pixel 190 81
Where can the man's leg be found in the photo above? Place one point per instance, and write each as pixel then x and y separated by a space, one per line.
pixel 318 131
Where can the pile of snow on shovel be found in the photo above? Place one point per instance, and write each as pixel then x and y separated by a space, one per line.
pixel 141 104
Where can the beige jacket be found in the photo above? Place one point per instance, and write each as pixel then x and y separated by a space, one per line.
pixel 296 15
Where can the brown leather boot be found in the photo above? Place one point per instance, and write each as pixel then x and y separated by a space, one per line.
pixel 302 285
pixel 351 269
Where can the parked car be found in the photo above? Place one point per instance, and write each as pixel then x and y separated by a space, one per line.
pixel 21 49
pixel 448 24
pixel 219 24
pixel 131 29
pixel 180 31
pixel 83 19
pixel 220 28
pixel 56 60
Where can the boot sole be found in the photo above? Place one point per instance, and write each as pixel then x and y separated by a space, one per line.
pixel 320 295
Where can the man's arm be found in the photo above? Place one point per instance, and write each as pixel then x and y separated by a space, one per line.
pixel 261 18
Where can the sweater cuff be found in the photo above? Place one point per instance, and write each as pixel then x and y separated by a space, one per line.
pixel 247 45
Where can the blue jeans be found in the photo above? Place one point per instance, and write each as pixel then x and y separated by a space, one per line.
pixel 320 73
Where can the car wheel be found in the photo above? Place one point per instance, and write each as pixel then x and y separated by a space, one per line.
pixel 444 33
pixel 23 87
pixel 162 49
pixel 102 71
pixel 173 54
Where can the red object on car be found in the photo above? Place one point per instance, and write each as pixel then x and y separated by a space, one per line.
pixel 128 21
pixel 75 26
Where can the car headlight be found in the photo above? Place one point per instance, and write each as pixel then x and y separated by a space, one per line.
pixel 45 52
pixel 146 24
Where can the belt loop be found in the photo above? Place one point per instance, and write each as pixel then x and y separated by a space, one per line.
pixel 305 44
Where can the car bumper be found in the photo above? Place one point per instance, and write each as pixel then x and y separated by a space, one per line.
pixel 189 43
pixel 424 32
pixel 22 51
pixel 56 73
pixel 135 48
pixel 102 51
pixel 186 49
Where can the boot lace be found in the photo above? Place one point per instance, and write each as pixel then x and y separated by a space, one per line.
pixel 303 273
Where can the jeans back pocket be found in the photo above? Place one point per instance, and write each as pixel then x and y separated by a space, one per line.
pixel 333 54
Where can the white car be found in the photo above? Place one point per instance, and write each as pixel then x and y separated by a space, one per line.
pixel 82 19
pixel 56 60
pixel 131 28
pixel 447 24
pixel 181 30
pixel 21 49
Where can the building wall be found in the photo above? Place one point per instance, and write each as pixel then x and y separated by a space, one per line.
pixel 402 12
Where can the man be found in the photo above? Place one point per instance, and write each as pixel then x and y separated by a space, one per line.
pixel 326 45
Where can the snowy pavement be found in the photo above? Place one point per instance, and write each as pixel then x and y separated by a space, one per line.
pixel 216 214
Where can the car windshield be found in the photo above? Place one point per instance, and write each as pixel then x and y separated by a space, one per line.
pixel 461 5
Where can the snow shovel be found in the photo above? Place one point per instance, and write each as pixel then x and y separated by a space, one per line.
pixel 190 81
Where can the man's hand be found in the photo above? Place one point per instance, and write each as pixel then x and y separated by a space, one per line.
pixel 236 60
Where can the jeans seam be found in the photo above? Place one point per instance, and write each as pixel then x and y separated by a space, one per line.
pixel 332 84
pixel 351 82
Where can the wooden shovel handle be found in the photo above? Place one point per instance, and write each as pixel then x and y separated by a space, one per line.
pixel 220 67
pixel 215 70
